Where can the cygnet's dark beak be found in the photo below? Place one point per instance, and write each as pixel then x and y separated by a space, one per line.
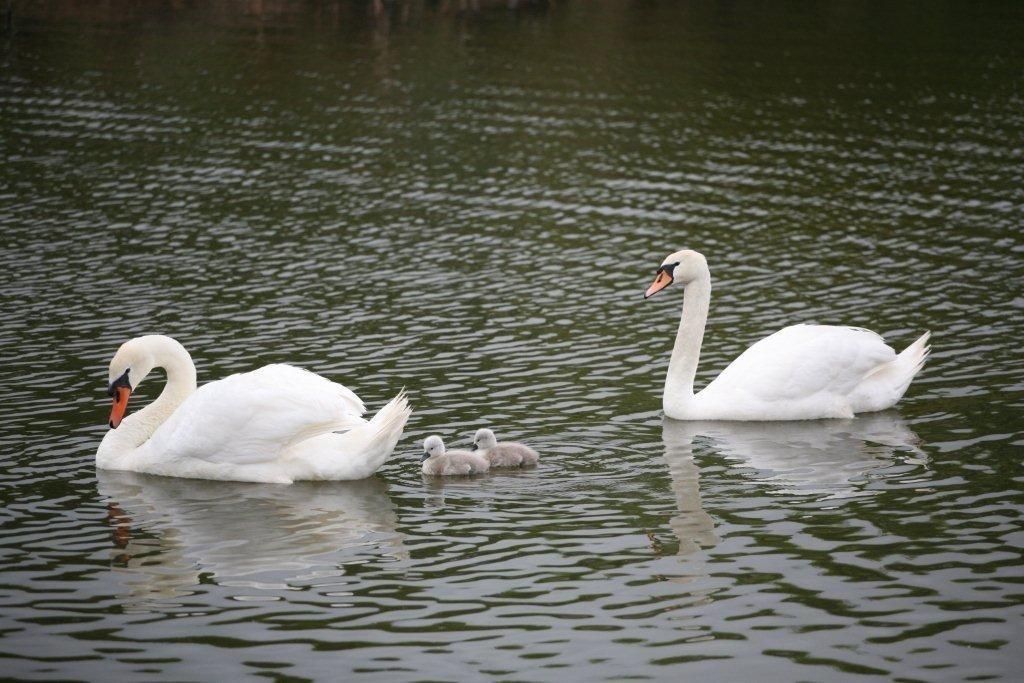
pixel 424 456
pixel 473 447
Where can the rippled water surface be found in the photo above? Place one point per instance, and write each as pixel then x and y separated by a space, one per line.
pixel 470 205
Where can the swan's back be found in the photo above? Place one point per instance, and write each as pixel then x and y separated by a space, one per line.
pixel 254 416
pixel 798 366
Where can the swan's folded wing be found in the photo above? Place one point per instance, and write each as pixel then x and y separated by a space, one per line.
pixel 252 417
pixel 804 360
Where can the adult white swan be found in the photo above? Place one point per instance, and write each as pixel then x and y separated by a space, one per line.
pixel 277 424
pixel 802 372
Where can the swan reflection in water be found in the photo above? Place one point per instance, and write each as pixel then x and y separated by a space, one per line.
pixel 832 457
pixel 693 527
pixel 167 531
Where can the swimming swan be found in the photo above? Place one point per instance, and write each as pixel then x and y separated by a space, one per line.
pixel 802 372
pixel 277 424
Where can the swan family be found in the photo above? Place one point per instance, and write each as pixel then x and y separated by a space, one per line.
pixel 280 423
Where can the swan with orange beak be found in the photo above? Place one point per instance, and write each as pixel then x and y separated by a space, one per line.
pixel 802 372
pixel 276 424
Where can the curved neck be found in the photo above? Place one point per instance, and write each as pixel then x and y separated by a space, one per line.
pixel 686 352
pixel 163 352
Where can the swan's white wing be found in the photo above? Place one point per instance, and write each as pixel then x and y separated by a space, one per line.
pixel 804 360
pixel 252 417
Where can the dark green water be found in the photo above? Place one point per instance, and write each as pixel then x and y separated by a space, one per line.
pixel 470 206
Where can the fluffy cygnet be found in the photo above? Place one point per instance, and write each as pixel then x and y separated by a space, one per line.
pixel 505 454
pixel 438 462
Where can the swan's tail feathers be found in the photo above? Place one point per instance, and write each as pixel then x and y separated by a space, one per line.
pixel 916 354
pixel 901 372
pixel 884 386
pixel 356 453
pixel 372 443
pixel 389 422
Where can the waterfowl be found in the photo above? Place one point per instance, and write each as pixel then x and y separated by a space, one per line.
pixel 504 454
pixel 277 424
pixel 801 372
pixel 438 462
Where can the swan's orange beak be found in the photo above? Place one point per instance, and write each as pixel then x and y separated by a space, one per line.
pixel 663 280
pixel 117 411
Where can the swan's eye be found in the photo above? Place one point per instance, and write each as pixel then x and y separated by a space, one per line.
pixel 121 381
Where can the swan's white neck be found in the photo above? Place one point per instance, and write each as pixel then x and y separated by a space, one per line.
pixel 135 429
pixel 682 368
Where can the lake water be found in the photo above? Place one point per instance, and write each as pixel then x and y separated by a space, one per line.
pixel 470 205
